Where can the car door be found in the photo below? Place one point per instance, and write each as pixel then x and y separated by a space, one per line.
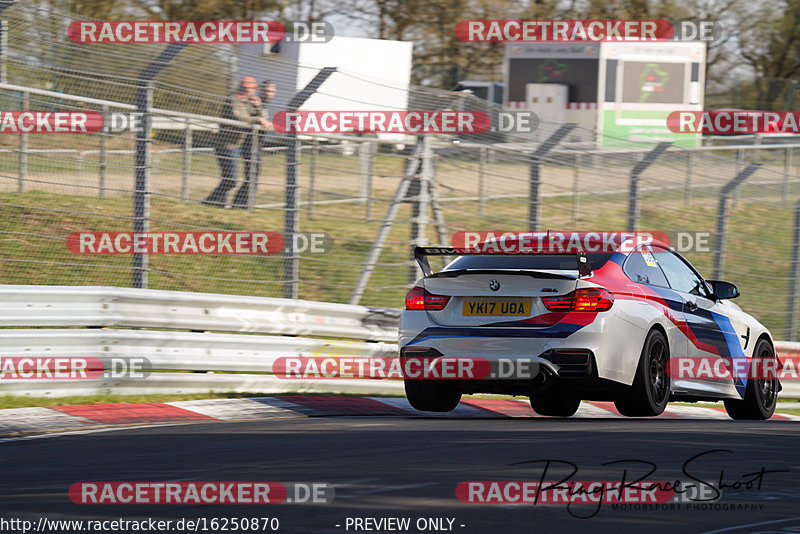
pixel 712 335
pixel 655 295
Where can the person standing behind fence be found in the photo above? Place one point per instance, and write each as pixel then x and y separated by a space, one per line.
pixel 240 106
pixel 265 94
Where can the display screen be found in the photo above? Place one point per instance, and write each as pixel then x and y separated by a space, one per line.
pixel 653 82
pixel 580 75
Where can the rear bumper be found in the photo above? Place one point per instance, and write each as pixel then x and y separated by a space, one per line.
pixel 562 363
pixel 614 345
pixel 572 372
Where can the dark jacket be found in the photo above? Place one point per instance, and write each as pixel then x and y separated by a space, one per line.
pixel 234 108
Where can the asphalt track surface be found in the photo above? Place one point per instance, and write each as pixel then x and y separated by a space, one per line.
pixel 410 467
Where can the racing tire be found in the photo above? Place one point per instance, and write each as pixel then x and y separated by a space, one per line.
pixel 431 395
pixel 760 393
pixel 649 393
pixel 555 404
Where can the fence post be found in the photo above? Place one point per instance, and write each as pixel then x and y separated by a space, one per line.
pixel 103 147
pixel 722 217
pixel 482 164
pixel 290 270
pixel 787 173
pixel 312 179
pixel 491 157
pixel 3 46
pixel 636 174
pixel 290 223
pixel 366 168
pixel 4 4
pixel 79 175
pixel 141 199
pixel 187 160
pixel 421 202
pixel 535 173
pixel 141 196
pixel 255 162
pixel 794 274
pixel 23 148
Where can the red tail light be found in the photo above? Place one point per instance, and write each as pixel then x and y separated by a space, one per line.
pixel 419 299
pixel 435 302
pixel 415 299
pixel 588 299
pixel 594 299
pixel 562 303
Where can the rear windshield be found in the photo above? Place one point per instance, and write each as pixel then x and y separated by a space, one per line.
pixel 544 262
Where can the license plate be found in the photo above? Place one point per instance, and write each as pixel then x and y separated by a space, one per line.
pixel 501 308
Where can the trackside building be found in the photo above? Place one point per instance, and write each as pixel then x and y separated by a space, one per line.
pixel 623 91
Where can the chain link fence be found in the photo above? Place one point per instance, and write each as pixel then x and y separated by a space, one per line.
pixel 53 185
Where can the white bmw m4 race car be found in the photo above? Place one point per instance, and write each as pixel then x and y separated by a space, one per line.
pixel 636 325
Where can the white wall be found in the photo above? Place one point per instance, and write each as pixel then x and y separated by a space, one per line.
pixel 372 74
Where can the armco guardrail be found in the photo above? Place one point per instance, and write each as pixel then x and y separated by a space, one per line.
pixel 25 306
pixel 326 329
pixel 788 349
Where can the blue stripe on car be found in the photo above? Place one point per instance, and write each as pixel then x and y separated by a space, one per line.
pixel 734 350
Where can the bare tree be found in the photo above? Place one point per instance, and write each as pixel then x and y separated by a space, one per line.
pixel 770 45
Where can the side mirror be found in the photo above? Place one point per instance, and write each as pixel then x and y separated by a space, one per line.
pixel 724 290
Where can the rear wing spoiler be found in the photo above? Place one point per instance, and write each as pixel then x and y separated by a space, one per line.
pixel 421 255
